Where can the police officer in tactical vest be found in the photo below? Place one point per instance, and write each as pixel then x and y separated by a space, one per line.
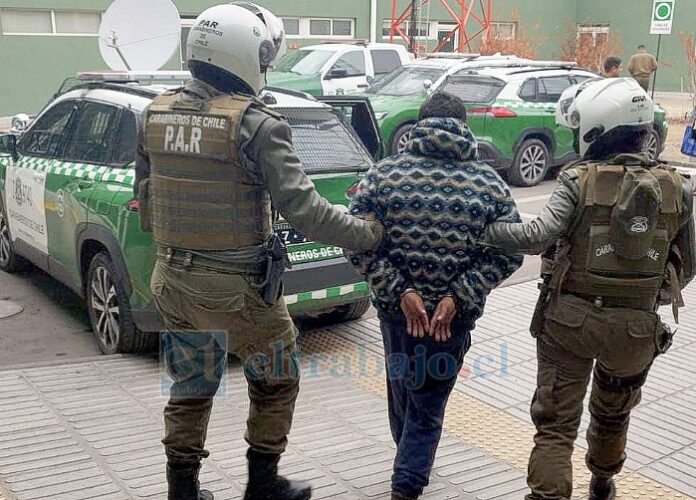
pixel 619 231
pixel 212 161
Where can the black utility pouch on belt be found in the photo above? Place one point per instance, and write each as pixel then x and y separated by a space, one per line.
pixel 542 305
pixel 276 263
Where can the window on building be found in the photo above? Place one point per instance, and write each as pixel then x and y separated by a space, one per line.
pixel 320 27
pixel 76 22
pixel 352 62
pixel 93 134
pixel 27 22
pixel 385 61
pixel 593 34
pixel 503 31
pixel 292 26
pixel 49 22
pixel 425 29
pixel 324 28
pixel 342 27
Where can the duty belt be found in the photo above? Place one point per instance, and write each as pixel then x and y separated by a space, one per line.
pixel 623 302
pixel 249 260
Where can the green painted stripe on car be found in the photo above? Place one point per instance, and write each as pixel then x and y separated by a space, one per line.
pixel 326 293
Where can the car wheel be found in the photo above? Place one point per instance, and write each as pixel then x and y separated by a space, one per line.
pixel 652 145
pixel 9 260
pixel 348 312
pixel 109 310
pixel 400 139
pixel 531 163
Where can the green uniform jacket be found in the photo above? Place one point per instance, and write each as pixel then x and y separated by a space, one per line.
pixel 266 142
pixel 556 218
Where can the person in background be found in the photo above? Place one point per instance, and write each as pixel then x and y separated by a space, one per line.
pixel 612 67
pixel 641 67
pixel 429 278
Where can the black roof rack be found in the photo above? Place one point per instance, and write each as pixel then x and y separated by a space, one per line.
pixel 544 68
pixel 71 84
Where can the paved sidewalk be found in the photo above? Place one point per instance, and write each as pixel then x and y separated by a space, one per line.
pixel 92 429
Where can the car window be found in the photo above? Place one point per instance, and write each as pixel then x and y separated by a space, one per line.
pixel 406 80
pixel 303 62
pixel 93 133
pixel 48 135
pixel 313 129
pixel 126 140
pixel 528 91
pixel 385 61
pixel 473 88
pixel 551 88
pixel 353 62
pixel 581 78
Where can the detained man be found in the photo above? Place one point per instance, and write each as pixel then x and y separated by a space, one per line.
pixel 429 279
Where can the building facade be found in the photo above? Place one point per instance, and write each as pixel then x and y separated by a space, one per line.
pixel 43 42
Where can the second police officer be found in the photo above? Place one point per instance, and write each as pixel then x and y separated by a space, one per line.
pixel 621 232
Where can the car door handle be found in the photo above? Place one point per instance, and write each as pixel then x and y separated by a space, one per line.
pixel 363 86
pixel 85 183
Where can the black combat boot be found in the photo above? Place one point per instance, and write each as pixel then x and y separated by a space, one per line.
pixel 266 484
pixel 400 496
pixel 183 483
pixel 602 489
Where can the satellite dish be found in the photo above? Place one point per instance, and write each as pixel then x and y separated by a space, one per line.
pixel 137 35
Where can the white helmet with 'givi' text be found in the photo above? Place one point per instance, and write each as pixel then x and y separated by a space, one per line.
pixel 241 38
pixel 598 106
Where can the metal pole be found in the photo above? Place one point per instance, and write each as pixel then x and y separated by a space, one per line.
pixel 413 31
pixel 659 43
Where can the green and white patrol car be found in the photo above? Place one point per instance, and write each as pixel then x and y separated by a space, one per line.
pixel 67 206
pixel 336 68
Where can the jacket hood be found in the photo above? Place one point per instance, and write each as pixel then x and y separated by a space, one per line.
pixel 445 138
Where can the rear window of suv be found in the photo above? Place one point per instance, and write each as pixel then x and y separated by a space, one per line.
pixel 324 143
pixel 474 89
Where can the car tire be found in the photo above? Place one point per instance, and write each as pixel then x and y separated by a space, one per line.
pixel 531 163
pixel 109 310
pixel 348 312
pixel 652 145
pixel 9 260
pixel 400 138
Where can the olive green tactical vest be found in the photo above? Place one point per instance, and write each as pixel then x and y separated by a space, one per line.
pixel 630 214
pixel 202 194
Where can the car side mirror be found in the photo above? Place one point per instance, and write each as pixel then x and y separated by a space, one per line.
pixel 336 74
pixel 427 84
pixel 8 145
pixel 370 80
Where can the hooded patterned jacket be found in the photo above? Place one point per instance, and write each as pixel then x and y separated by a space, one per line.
pixel 435 201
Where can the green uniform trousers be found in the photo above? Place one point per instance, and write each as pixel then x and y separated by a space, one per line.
pixel 263 337
pixel 620 344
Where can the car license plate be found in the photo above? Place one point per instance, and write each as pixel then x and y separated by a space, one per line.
pixel 289 236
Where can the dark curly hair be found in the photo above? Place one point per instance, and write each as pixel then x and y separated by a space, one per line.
pixel 443 105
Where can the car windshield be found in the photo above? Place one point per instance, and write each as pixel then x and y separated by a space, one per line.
pixel 303 62
pixel 324 143
pixel 405 81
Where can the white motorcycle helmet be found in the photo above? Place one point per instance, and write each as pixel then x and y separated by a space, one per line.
pixel 240 38
pixel 599 108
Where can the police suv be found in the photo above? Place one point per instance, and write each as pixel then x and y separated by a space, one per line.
pixel 67 206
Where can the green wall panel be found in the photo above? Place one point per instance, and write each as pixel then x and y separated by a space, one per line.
pixel 34 66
